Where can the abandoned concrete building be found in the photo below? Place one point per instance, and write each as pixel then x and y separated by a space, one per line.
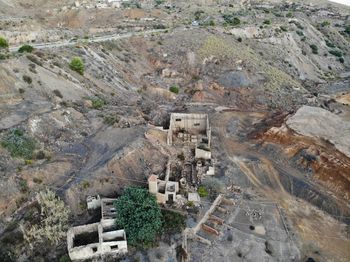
pixel 190 136
pixel 191 129
pixel 164 190
pixel 98 239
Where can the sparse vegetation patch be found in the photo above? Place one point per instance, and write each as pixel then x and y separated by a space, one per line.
pixel 18 144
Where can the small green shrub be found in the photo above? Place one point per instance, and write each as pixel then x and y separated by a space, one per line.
pixel 18 144
pixel 77 65
pixel 85 184
pixel 300 33
pixel 174 89
pixel 23 186
pixel 3 43
pixel 58 93
pixel 289 15
pixel 37 180
pixel 336 53
pixel 239 39
pixel 27 79
pixel 198 14
pixel 314 48
pixel 325 23
pixel 21 90
pixel 297 24
pixel 330 44
pixel 28 162
pixel 40 155
pixel 283 28
pixel 341 60
pixel 111 120
pixel 267 22
pixel 25 48
pixel 202 191
pixel 190 204
pixel 158 2
pixel 98 103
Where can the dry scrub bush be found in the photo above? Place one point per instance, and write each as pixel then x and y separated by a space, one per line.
pixel 53 221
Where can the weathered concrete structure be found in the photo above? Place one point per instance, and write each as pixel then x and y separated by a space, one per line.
pixel 98 239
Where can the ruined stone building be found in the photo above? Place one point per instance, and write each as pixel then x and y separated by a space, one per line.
pixel 189 134
pixel 98 239
pixel 164 190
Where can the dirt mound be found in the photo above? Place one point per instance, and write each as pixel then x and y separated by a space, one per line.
pixel 320 123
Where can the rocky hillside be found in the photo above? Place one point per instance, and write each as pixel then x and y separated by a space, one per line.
pixel 272 75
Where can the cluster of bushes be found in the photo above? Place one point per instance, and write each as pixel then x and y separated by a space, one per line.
pixel 18 144
pixel 172 222
pixel 34 59
pixel 52 221
pixel 297 24
pixel 231 20
pixel 330 44
pixel 25 48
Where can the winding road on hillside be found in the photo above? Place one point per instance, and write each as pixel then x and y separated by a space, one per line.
pixel 95 39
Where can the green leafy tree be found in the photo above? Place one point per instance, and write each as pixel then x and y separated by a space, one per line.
pixel 77 65
pixel 3 43
pixel 139 214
